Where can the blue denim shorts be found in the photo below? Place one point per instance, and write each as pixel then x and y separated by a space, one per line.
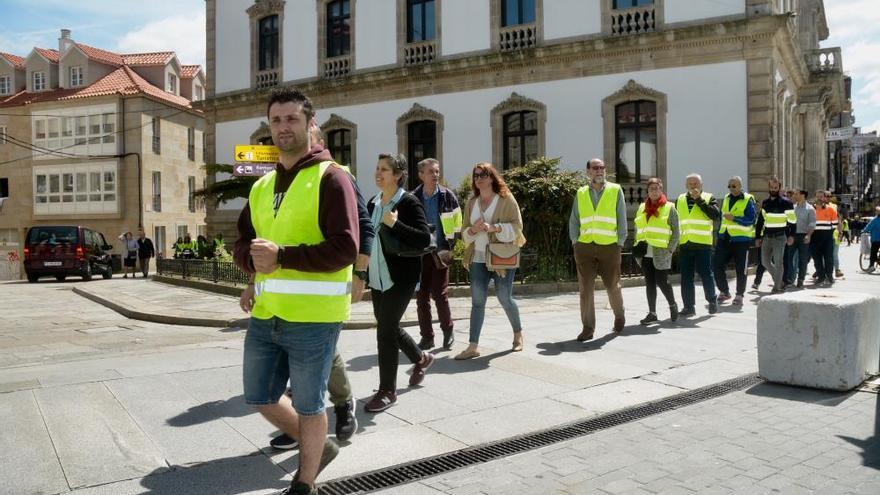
pixel 276 350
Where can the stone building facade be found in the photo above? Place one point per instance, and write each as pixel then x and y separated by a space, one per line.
pixel 654 87
pixel 104 140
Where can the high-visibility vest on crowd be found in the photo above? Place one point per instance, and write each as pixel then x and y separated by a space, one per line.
pixel 845 225
pixel 696 226
pixel 655 230
pixel 791 217
pixel 294 295
pixel 737 210
pixel 451 222
pixel 776 220
pixel 598 225
pixel 826 219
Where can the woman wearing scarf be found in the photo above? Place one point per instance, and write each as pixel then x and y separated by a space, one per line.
pixel 393 279
pixel 657 228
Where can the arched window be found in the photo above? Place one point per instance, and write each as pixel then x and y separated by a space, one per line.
pixel 268 44
pixel 520 138
pixel 339 145
pixel 636 138
pixel 421 144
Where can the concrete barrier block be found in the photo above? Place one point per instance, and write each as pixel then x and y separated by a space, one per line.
pixel 820 339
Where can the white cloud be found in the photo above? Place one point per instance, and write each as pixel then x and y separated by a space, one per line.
pixel 183 34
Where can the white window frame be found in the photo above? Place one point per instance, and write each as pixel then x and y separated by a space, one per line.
pixel 172 83
pixel 76 76
pixel 38 76
pixel 3 133
pixel 84 130
pixel 199 93
pixel 76 188
pixel 5 85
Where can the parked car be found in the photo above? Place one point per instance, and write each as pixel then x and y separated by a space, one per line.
pixel 59 251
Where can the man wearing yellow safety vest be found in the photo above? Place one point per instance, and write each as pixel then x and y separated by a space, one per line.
pixel 772 231
pixel 735 236
pixel 299 240
pixel 597 229
pixel 442 211
pixel 697 213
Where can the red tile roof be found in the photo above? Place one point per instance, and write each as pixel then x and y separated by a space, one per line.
pixel 15 60
pixel 51 55
pixel 100 55
pixel 122 81
pixel 153 58
pixel 189 71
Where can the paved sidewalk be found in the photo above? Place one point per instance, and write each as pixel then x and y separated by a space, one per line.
pixel 96 403
pixel 768 439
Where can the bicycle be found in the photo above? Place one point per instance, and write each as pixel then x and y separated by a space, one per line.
pixel 865 254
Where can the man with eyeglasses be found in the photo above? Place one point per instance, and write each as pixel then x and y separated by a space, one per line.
pixel 697 211
pixel 735 235
pixel 597 229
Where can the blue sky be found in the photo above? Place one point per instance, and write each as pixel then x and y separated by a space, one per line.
pixel 179 25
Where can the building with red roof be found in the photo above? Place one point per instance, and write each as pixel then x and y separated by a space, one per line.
pixel 102 139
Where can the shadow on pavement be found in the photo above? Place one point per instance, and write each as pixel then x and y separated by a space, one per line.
pixel 448 365
pixel 231 475
pixel 871 446
pixel 363 363
pixel 557 348
pixel 799 394
pixel 234 407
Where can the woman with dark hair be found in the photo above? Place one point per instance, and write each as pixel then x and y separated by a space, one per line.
pixel 393 279
pixel 491 215
pixel 657 228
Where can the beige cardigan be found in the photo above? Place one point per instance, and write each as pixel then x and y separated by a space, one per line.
pixel 506 211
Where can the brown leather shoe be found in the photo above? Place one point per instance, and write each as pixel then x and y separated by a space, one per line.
pixel 585 336
pixel 619 324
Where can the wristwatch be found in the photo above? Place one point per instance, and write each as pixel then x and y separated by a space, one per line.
pixel 361 274
pixel 280 255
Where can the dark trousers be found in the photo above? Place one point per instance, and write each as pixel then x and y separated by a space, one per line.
pixel 759 273
pixel 822 246
pixel 875 247
pixel 656 278
pixel 799 258
pixel 145 265
pixel 726 250
pixel 388 308
pixel 434 285
pixel 699 260
pixel 787 260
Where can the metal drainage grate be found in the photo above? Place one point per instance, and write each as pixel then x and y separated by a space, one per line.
pixel 444 463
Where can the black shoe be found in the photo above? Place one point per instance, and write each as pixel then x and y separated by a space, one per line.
pixel 713 307
pixel 448 339
pixel 687 312
pixel 651 318
pixel 800 284
pixel 673 312
pixel 426 344
pixel 297 488
pixel 346 421
pixel 284 442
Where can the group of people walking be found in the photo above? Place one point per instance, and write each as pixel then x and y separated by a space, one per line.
pixel 312 244
pixel 199 248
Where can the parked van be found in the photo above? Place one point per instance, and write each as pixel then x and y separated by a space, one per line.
pixel 59 251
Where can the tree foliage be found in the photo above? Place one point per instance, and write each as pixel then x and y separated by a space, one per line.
pixel 227 189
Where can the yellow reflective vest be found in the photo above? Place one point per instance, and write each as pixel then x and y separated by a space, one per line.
pixel 598 225
pixel 656 230
pixel 696 226
pixel 738 209
pixel 294 295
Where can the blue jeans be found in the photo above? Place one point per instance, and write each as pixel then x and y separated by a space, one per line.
pixel 701 260
pixel 480 276
pixel 276 350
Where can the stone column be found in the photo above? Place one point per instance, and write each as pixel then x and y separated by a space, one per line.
pixel 815 149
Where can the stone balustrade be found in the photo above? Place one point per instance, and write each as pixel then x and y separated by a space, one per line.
pixel 267 78
pixel 635 20
pixel 337 67
pixel 518 37
pixel 825 60
pixel 423 52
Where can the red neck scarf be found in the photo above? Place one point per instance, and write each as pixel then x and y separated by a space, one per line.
pixel 652 208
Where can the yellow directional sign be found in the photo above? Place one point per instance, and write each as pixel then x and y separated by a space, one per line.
pixel 256 153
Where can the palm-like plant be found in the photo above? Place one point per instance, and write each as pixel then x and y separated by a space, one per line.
pixel 227 189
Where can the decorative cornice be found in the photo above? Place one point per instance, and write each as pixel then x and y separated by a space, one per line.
pixel 337 122
pixel 634 91
pixel 418 112
pixel 262 8
pixel 261 132
pixel 518 102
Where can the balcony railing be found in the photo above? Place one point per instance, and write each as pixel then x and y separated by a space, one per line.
pixel 825 60
pixel 337 67
pixel 518 37
pixel 634 193
pixel 423 52
pixel 635 20
pixel 267 78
